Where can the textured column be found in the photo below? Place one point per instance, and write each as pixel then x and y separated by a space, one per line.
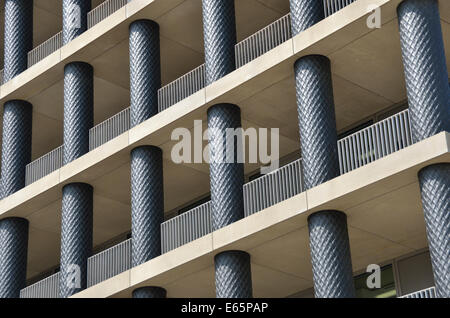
pixel 233 269
pixel 233 275
pixel 330 255
pixel 18 37
pixel 227 179
pixel 147 203
pixel 305 13
pixel 16 145
pixel 435 190
pixel 145 70
pixel 76 237
pixel 78 109
pixel 149 292
pixel 429 107
pixel 13 256
pixel 330 248
pixel 425 67
pixel 219 30
pixel 317 121
pixel 74 18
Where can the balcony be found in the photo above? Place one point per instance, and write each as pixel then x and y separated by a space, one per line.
pixel 356 150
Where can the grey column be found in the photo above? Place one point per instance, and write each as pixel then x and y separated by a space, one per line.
pixel 219 30
pixel 77 201
pixel 18 36
pixel 145 70
pixel 232 268
pixel 233 274
pixel 13 256
pixel 16 145
pixel 74 18
pixel 76 237
pixel 147 203
pixel 17 114
pixel 429 106
pixel 328 233
pixel 78 109
pixel 150 292
pixel 147 186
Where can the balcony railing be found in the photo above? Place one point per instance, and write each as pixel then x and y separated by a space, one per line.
pixel 109 263
pixel 181 88
pixel 44 165
pixel 333 6
pixel 45 49
pixel 109 129
pixel 424 293
pixel 273 188
pixel 374 142
pixel 263 41
pixel 104 10
pixel 46 288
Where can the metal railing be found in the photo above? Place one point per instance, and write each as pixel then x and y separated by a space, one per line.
pixel 109 263
pixel 104 10
pixel 45 49
pixel 424 293
pixel 333 6
pixel 44 165
pixel 273 188
pixel 186 227
pixel 374 142
pixel 263 41
pixel 181 88
pixel 109 129
pixel 46 288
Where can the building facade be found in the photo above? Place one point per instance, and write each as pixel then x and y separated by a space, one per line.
pixel 99 201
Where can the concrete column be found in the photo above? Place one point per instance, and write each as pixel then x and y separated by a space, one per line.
pixel 16 145
pixel 13 256
pixel 145 70
pixel 147 203
pixel 76 237
pixel 74 18
pixel 429 106
pixel 147 186
pixel 77 201
pixel 17 114
pixel 232 268
pixel 219 30
pixel 18 36
pixel 328 234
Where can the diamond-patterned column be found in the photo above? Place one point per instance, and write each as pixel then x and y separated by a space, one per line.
pixel 233 269
pixel 147 203
pixel 13 256
pixel 18 36
pixel 305 13
pixel 78 109
pixel 425 67
pixel 147 188
pixel 219 30
pixel 77 201
pixel 16 145
pixel 435 191
pixel 74 18
pixel 330 248
pixel 429 107
pixel 149 292
pixel 233 275
pixel 145 70
pixel 76 237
